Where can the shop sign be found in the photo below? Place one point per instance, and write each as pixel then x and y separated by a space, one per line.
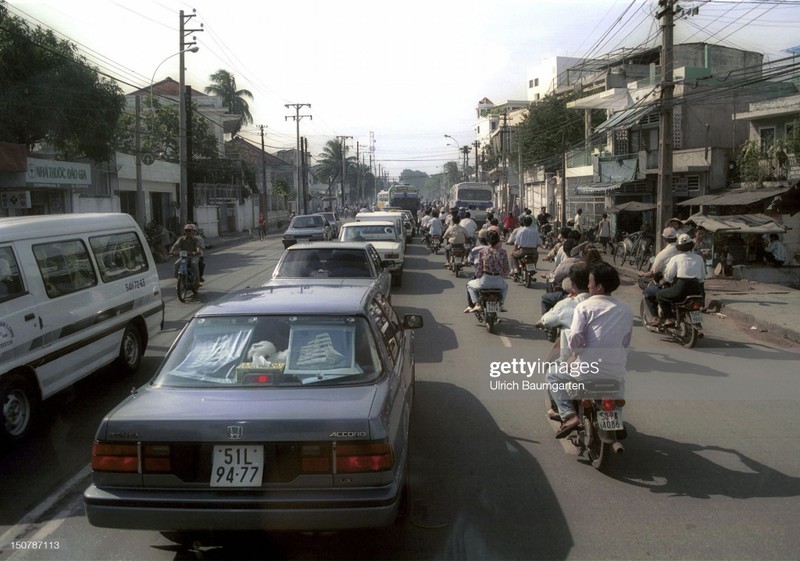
pixel 15 199
pixel 52 172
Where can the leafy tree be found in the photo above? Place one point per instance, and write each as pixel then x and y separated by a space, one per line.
pixel 49 94
pixel 549 128
pixel 159 132
pixel 224 86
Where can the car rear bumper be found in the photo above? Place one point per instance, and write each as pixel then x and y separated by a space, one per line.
pixel 260 510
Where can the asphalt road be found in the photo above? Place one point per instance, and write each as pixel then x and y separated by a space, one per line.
pixel 710 469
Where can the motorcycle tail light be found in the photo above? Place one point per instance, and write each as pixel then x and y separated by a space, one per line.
pixel 609 404
pixel 619 402
pixel 697 305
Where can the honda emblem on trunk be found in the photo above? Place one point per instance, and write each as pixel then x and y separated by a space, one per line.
pixel 235 432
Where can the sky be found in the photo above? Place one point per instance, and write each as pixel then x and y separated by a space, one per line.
pixel 407 71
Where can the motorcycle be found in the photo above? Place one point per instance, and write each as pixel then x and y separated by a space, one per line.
pixel 688 326
pixel 436 244
pixel 185 276
pixel 526 271
pixel 489 300
pixel 599 407
pixel 457 255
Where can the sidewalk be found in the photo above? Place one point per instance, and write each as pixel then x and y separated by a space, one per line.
pixel 766 307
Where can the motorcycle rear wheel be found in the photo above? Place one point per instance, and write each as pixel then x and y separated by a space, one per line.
pixel 182 287
pixel 597 450
pixel 528 279
pixel 686 334
pixel 644 313
pixel 490 322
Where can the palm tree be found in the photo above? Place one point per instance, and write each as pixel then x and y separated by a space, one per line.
pixel 330 163
pixel 224 86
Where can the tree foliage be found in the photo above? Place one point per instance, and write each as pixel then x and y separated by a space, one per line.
pixel 329 169
pixel 224 86
pixel 549 128
pixel 49 94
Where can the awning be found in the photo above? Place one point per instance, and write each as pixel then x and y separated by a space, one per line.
pixel 625 118
pixel 631 206
pixel 730 198
pixel 597 188
pixel 738 223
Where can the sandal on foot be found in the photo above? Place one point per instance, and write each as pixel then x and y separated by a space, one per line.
pixel 553 415
pixel 567 427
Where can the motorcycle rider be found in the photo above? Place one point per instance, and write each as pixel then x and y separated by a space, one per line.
pixel 188 243
pixel 435 227
pixel 491 270
pixel 526 243
pixel 600 334
pixel 454 237
pixel 470 226
pixel 656 272
pixel 685 273
pixel 554 292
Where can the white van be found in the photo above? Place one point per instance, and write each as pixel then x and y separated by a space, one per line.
pixel 77 292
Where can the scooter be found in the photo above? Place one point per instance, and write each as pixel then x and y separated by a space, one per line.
pixel 185 276
pixel 489 300
pixel 436 243
pixel 688 326
pixel 457 255
pixel 526 271
pixel 598 404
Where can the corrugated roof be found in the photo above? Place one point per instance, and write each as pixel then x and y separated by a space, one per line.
pixel 730 198
pixel 738 223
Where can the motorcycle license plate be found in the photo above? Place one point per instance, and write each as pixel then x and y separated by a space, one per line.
pixel 237 466
pixel 492 307
pixel 530 266
pixel 609 420
pixel 696 317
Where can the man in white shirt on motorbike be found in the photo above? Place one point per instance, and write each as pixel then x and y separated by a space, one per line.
pixel 685 273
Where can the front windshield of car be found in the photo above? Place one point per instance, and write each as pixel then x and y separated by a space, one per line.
pixel 306 222
pixel 324 262
pixel 272 351
pixel 358 233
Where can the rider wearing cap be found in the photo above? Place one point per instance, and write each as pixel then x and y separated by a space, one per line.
pixel 188 243
pixel 657 271
pixel 685 273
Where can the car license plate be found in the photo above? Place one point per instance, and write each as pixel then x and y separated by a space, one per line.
pixel 530 266
pixel 696 317
pixel 492 307
pixel 237 466
pixel 609 420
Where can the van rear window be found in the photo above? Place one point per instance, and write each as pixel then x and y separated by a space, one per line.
pixel 118 255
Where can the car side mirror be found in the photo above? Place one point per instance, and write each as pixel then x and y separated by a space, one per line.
pixel 412 321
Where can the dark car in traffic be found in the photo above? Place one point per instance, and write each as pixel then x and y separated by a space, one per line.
pixel 277 408
pixel 307 227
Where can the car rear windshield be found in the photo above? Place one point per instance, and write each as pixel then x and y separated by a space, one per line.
pixel 368 233
pixel 321 262
pixel 272 351
pixel 306 222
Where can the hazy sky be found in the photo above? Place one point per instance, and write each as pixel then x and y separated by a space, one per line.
pixel 410 71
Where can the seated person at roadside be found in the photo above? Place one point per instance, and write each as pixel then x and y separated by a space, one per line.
pixel 775 252
pixel 491 269
pixel 685 273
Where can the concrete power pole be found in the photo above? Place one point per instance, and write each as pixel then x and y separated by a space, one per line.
pixel 298 162
pixel 183 46
pixel 664 195
pixel 262 206
pixel 342 140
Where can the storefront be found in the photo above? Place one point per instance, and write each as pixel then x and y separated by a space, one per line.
pixel 46 187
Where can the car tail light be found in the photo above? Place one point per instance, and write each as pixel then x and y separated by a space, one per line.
pixel 360 457
pixel 609 404
pixel 122 458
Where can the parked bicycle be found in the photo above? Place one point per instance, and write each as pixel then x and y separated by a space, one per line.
pixel 634 249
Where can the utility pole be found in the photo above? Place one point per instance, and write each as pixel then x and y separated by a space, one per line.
pixel 476 144
pixel 504 155
pixel 261 199
pixel 140 218
pixel 303 167
pixel 664 195
pixel 183 46
pixel 297 117
pixel 358 171
pixel 343 149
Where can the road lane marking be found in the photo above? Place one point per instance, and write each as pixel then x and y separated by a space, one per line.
pixel 506 341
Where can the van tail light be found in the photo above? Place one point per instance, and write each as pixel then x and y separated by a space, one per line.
pixel 120 458
pixel 362 457
pixel 127 458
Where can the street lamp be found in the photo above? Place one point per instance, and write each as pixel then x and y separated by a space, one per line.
pixel 460 149
pixel 153 78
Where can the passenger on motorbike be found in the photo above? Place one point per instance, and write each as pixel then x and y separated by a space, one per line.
pixel 470 226
pixel 491 269
pixel 188 243
pixel 685 273
pixel 454 237
pixel 656 272
pixel 554 291
pixel 600 334
pixel 560 316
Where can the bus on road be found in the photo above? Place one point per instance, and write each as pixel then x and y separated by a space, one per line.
pixel 475 197
pixel 382 200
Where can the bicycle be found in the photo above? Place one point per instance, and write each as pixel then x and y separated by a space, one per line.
pixel 262 232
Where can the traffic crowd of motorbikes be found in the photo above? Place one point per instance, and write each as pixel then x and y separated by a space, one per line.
pixel 579 313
